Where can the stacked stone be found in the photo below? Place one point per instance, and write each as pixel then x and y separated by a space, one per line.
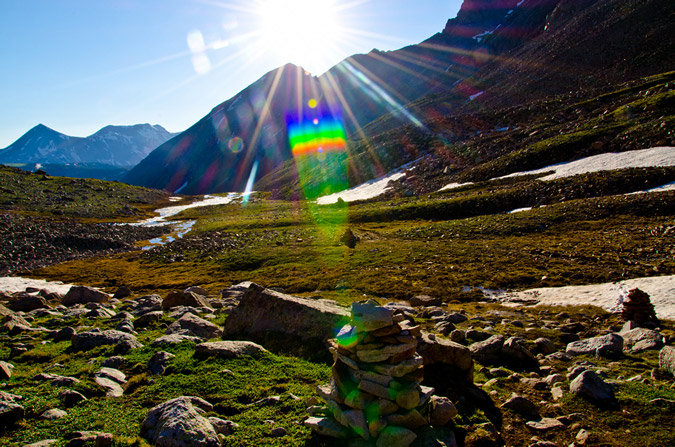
pixel 638 308
pixel 375 392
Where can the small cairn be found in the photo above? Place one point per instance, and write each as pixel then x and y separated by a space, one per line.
pixel 375 392
pixel 638 307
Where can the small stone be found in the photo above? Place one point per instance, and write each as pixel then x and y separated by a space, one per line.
pixel 6 370
pixel 545 424
pixel 70 398
pixel 522 406
pixel 441 411
pixel 53 414
pixel 278 432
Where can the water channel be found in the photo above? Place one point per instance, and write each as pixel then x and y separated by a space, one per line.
pixel 180 228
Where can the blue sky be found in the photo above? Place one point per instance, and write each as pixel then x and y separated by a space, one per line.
pixel 78 65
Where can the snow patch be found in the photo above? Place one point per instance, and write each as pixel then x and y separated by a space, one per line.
pixel 454 186
pixel 365 191
pixel 13 284
pixel 518 210
pixel 643 158
pixel 661 290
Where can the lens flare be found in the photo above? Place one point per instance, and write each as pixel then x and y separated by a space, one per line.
pixel 235 145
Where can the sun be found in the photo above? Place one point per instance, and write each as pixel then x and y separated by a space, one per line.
pixel 303 32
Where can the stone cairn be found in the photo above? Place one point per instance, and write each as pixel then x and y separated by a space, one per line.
pixel 375 391
pixel 638 307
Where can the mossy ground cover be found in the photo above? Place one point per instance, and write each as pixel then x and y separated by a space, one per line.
pixel 84 199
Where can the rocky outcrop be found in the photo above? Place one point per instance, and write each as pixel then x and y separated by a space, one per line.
pixel 300 325
pixel 179 423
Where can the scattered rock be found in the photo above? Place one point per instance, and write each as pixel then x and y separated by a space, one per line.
pixel 641 339
pixel 53 414
pixel 174 339
pixel 667 359
pixel 222 426
pixel 424 300
pixel 191 299
pixel 523 407
pixel 122 292
pixel 84 341
pixel 70 398
pixel 6 370
pixel 604 346
pixel 228 349
pixel 10 411
pixel 545 424
pixel 190 324
pixel 24 302
pixel 441 411
pixel 592 388
pixel 159 361
pixel 178 423
pixel 43 443
pixel 148 318
pixel 83 295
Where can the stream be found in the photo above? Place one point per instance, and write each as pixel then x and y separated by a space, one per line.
pixel 180 228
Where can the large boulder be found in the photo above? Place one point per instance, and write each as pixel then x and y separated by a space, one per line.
pixel 228 349
pixel 25 302
pixel 84 341
pixel 667 359
pixel 83 295
pixel 299 325
pixel 190 324
pixel 179 423
pixel 441 354
pixel 603 346
pixel 488 351
pixel 191 299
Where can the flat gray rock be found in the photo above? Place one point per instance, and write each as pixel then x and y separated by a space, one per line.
pixel 174 339
pixel 84 341
pixel 667 359
pixel 228 349
pixel 194 325
pixel 610 344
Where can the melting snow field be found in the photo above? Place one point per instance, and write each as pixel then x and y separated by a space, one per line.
pixel 364 191
pixel 644 158
pixel 661 290
pixel 12 284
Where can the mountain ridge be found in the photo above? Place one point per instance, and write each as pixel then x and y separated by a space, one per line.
pixel 112 145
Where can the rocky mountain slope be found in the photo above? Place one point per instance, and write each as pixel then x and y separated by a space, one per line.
pixel 356 91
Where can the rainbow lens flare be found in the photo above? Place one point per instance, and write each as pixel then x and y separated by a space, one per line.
pixel 318 142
